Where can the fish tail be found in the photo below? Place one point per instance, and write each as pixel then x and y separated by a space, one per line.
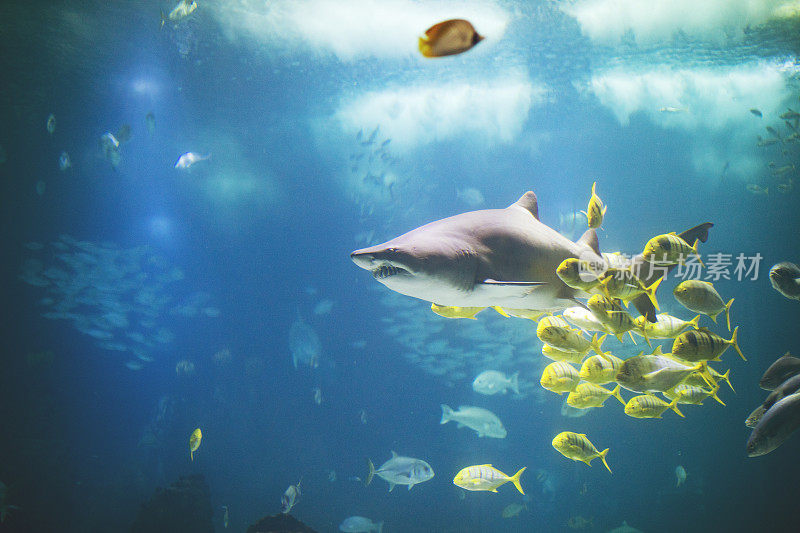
pixel 447 413
pixel 602 456
pixel 651 292
pixel 616 394
pixel 597 344
pixel 515 382
pixel 371 473
pixel 697 253
pixel 695 322
pixel 735 344
pixel 726 376
pixel 705 373
pixel 713 317
pixel 425 48
pixel 674 406
pixel 714 394
pixel 728 312
pixel 515 479
pixel 593 187
pixel 191 455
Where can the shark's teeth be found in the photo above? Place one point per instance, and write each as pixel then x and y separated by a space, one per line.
pixel 385 271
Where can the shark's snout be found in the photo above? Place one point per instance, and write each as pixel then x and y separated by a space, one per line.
pixel 382 262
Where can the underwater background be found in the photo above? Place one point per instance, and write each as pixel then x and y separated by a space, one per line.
pixel 142 301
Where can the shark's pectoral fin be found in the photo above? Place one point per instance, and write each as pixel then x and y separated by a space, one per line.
pixel 508 289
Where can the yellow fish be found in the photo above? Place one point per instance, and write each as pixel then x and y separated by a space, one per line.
pixel 623 284
pixel 613 317
pixel 600 369
pixel 666 326
pixel 194 442
pixel 701 297
pixel 448 38
pixel 669 249
pixel 588 395
pixel 578 274
pixel 577 447
pixel 689 394
pixel 486 478
pixel 560 377
pixel 562 355
pixel 703 345
pixel 649 406
pixel 596 210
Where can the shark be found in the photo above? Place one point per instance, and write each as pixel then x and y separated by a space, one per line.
pixel 501 258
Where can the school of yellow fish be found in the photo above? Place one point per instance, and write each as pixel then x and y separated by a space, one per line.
pixel 583 370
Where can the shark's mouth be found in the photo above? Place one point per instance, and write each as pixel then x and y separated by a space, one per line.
pixel 387 271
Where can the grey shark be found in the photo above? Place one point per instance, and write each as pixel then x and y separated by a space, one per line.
pixel 492 257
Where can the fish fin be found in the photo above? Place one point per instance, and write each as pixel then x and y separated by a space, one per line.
pixel 695 322
pixel 515 382
pixel 529 203
pixel 674 406
pixel 728 313
pixel 726 376
pixel 602 456
pixel 394 454
pixel 391 486
pixel 735 344
pixel 410 486
pixel 447 413
pixel 651 292
pixel 191 455
pixel 589 238
pixel 713 318
pixel 509 289
pixel 597 344
pixel 699 232
pixel 371 472
pixel 493 490
pixel 501 311
pixel 616 394
pixel 645 306
pixel 515 479
pixel 714 394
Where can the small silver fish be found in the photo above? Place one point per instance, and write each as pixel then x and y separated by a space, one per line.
pixel 289 498
pixel 190 158
pixel 64 161
pixel 51 124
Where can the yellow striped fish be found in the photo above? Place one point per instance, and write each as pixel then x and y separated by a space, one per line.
pixel 596 209
pixel 703 345
pixel 612 316
pixel 576 446
pixel 588 395
pixel 669 249
pixel 649 406
pixel 486 478
pixel 560 377
pixel 600 369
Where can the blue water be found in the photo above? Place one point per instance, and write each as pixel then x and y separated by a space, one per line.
pixel 261 233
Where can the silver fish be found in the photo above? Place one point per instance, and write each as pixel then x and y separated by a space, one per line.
pixel 485 422
pixel 788 387
pixel 785 278
pixel 289 498
pixel 775 426
pixel 782 369
pixel 400 470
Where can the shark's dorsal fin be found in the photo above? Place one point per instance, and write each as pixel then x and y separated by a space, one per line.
pixel 589 238
pixel 529 203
